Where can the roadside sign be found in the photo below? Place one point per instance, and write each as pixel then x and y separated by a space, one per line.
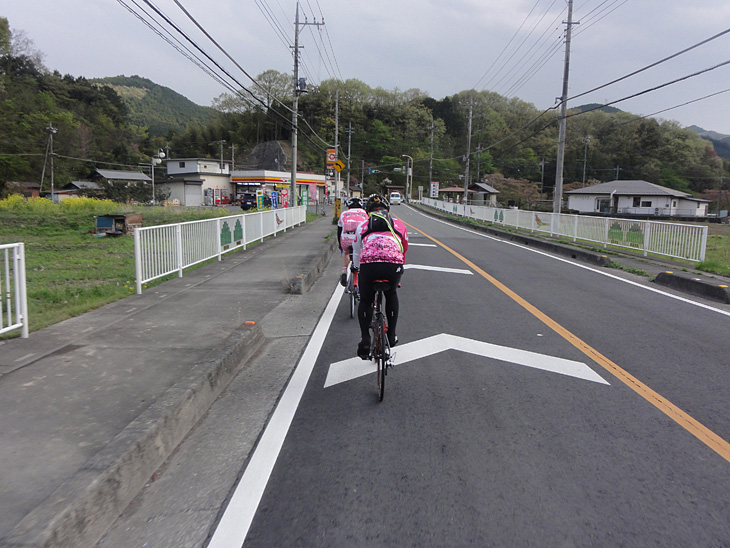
pixel 331 155
pixel 339 165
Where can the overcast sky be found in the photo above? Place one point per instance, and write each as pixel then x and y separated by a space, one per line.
pixel 439 46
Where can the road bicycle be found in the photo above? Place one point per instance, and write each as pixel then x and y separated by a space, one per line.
pixel 379 345
pixel 353 292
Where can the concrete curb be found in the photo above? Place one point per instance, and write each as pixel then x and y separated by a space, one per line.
pixel 538 243
pixel 82 509
pixel 298 285
pixel 687 283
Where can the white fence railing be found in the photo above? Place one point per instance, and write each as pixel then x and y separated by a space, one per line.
pixel 166 249
pixel 679 241
pixel 14 304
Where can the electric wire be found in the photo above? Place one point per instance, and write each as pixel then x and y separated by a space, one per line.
pixel 505 48
pixel 519 61
pixel 655 88
pixel 703 42
pixel 255 98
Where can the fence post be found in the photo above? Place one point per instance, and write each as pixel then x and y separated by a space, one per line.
pixel 218 238
pixel 575 228
pixel 179 253
pixel 703 243
pixel 261 223
pixel 138 259
pixel 243 224
pixel 605 233
pixel 22 294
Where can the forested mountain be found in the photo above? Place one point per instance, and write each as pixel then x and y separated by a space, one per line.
pixel 720 142
pixel 159 109
pixel 513 144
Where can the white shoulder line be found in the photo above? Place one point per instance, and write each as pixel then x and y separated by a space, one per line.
pixel 437 269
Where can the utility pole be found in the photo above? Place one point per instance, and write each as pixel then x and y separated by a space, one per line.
pixel 51 132
pixel 479 150
pixel 430 158
pixel 295 107
pixel 221 143
pixel 233 157
pixel 468 151
pixel 362 179
pixel 558 192
pixel 337 141
pixel 585 156
pixel 349 144
pixel 618 168
pixel 542 177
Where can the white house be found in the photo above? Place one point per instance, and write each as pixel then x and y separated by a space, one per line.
pixel 199 181
pixel 635 198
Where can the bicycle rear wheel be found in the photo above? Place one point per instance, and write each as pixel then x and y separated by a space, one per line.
pixel 352 289
pixel 380 354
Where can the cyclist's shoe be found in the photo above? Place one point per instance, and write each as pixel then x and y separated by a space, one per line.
pixel 392 339
pixel 363 349
pixel 343 279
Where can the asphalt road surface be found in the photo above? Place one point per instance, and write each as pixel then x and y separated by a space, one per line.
pixel 534 402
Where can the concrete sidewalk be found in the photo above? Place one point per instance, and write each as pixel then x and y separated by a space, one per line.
pixel 91 407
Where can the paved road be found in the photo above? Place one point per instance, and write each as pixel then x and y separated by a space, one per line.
pixel 536 402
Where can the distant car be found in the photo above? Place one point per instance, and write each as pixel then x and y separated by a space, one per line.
pixel 248 201
pixel 395 198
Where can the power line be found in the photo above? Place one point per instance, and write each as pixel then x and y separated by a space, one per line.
pixel 652 65
pixel 655 88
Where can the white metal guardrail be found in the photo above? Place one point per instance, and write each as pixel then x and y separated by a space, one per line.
pixel 679 241
pixel 166 249
pixel 14 303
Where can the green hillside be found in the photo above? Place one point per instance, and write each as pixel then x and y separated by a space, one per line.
pixel 156 107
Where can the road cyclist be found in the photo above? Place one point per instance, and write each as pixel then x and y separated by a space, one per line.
pixel 347 224
pixel 379 253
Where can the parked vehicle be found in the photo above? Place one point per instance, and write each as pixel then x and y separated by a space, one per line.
pixel 248 201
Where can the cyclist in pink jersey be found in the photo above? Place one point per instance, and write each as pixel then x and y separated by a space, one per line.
pixel 347 224
pixel 379 253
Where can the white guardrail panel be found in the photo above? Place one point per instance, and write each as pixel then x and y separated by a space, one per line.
pixel 679 241
pixel 163 250
pixel 14 299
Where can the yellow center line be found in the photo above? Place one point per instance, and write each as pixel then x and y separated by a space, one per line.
pixel 697 429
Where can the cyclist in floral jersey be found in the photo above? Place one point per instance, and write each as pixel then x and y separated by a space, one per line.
pixel 348 222
pixel 379 253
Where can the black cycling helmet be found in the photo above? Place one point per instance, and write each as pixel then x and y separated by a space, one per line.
pixel 353 203
pixel 376 201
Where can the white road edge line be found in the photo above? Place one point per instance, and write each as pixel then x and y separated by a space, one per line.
pixel 236 520
pixel 437 269
pixel 496 239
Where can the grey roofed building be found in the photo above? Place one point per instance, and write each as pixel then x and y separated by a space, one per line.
pixel 116 175
pixel 485 187
pixel 635 198
pixel 630 188
pixel 84 185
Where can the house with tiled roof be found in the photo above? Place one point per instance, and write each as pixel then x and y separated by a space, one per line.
pixel 639 198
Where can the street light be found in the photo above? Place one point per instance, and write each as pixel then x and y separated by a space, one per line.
pixel 156 159
pixel 410 171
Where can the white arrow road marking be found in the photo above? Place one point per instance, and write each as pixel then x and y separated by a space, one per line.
pixel 353 368
pixel 438 269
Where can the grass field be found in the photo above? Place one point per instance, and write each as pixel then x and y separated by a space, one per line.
pixel 69 270
pixel 717 255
